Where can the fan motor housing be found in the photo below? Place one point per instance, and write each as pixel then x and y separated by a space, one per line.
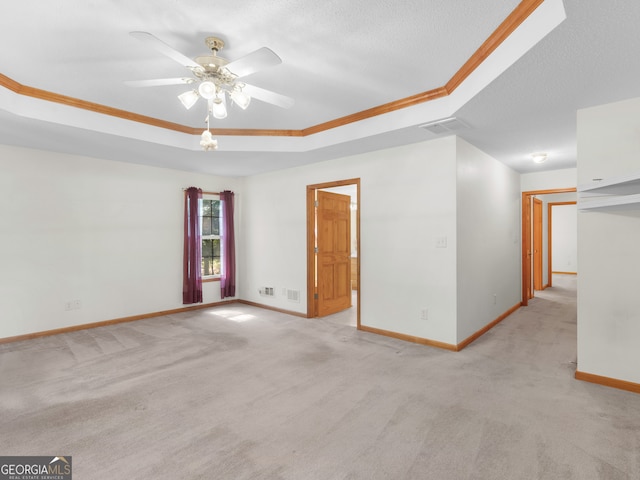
pixel 211 63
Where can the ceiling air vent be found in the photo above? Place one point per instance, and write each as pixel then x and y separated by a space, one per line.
pixel 444 125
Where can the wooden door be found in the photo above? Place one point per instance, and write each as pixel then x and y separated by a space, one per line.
pixel 334 252
pixel 537 244
pixel 527 247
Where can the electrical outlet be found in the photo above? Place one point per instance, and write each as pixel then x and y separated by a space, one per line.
pixel 424 314
pixel 72 305
pixel 441 242
pixel 495 298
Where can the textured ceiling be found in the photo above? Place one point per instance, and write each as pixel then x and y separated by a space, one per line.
pixel 339 58
pixel 591 59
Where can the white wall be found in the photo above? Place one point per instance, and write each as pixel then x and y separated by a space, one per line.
pixel 408 197
pixel 488 239
pixel 553 179
pixel 564 228
pixel 608 300
pixel 108 234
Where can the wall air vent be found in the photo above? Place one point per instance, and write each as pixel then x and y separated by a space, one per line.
pixel 293 295
pixel 445 125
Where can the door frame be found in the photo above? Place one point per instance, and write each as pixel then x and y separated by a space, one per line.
pixel 526 237
pixel 312 310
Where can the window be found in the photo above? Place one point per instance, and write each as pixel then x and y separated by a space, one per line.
pixel 210 228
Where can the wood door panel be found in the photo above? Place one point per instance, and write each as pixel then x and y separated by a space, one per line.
pixel 327 287
pixel 334 281
pixel 334 252
pixel 537 244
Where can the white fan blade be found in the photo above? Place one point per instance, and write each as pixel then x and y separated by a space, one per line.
pixel 159 82
pixel 253 62
pixel 268 96
pixel 165 49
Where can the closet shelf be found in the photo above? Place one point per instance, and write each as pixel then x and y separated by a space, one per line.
pixel 620 185
pixel 611 194
pixel 611 203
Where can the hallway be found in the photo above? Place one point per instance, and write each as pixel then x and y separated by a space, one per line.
pixel 543 333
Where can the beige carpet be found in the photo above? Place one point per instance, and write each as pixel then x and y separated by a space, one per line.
pixel 244 393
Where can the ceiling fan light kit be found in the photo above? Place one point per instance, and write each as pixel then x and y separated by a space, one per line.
pixel 218 107
pixel 240 98
pixel 207 89
pixel 189 98
pixel 217 78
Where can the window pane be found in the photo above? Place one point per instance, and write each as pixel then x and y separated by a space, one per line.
pixel 206 226
pixel 206 208
pixel 215 266
pixel 210 266
pixel 210 224
pixel 207 267
pixel 207 248
pixel 211 263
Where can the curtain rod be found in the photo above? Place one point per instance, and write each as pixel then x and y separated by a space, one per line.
pixel 204 193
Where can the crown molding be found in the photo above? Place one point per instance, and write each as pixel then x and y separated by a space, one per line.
pixel 506 28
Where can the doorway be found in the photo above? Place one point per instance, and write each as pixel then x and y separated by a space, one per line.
pixel 528 242
pixel 555 265
pixel 333 248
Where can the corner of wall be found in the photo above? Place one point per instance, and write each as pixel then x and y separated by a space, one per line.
pixel 488 248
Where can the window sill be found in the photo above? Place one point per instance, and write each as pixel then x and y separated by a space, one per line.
pixel 210 279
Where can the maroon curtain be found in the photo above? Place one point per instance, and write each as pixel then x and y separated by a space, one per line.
pixel 192 273
pixel 228 278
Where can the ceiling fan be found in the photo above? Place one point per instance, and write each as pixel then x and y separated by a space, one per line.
pixel 215 78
